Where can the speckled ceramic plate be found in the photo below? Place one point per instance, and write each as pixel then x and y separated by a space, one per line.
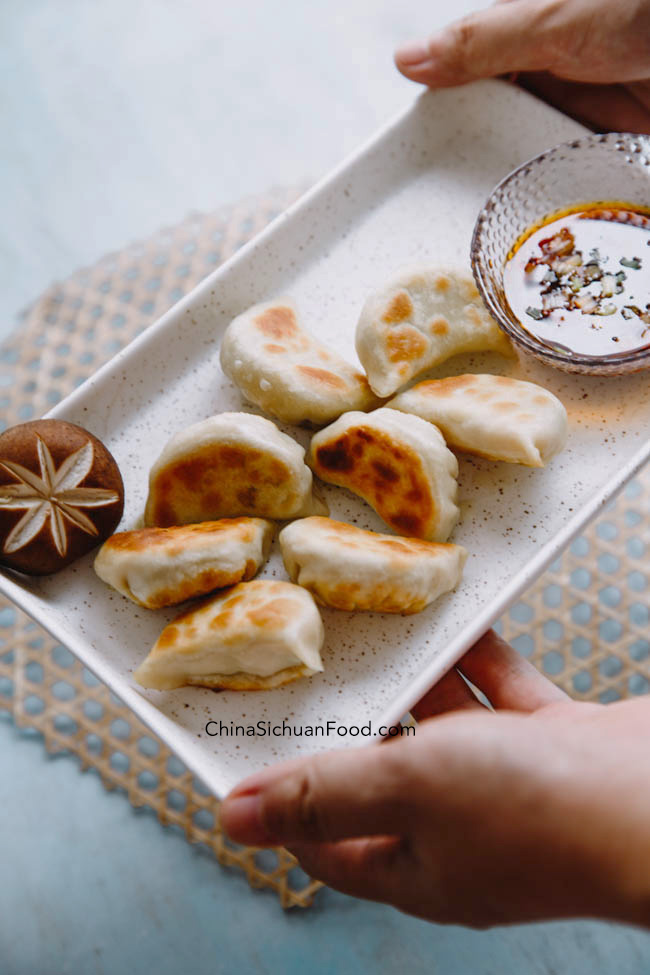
pixel 411 194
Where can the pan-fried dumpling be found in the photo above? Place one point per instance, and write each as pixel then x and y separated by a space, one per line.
pixel 421 317
pixel 398 463
pixel 494 416
pixel 158 567
pixel 253 637
pixel 349 568
pixel 286 371
pixel 230 465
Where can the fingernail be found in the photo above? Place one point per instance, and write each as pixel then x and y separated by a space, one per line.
pixel 413 53
pixel 241 820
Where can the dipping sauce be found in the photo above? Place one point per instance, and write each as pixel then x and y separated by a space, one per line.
pixel 579 281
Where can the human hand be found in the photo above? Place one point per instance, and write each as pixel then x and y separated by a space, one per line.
pixel 540 810
pixel 589 58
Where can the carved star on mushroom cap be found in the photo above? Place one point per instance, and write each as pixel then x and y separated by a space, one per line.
pixel 54 497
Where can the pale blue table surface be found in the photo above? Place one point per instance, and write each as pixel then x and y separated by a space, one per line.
pixel 90 885
pixel 120 116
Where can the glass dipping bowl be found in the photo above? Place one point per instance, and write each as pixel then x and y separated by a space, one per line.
pixel 607 168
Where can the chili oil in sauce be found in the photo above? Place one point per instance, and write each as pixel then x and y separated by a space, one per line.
pixel 579 280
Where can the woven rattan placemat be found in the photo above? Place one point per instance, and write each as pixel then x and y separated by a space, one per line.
pixel 584 623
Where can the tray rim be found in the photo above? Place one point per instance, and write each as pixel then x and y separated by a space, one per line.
pixel 445 659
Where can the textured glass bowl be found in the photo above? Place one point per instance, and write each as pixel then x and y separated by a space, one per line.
pixel 611 167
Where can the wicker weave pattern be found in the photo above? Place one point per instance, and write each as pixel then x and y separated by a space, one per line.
pixel 47 689
pixel 66 336
pixel 584 623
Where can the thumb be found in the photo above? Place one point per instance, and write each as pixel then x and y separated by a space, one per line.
pixel 360 792
pixel 504 38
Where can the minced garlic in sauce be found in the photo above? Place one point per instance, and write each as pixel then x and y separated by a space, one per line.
pixel 580 280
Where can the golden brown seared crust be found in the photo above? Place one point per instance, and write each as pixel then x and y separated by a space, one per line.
pixel 266 603
pixel 266 625
pixel 469 382
pixel 355 538
pixel 399 309
pixel 322 377
pixel 350 568
pixel 286 371
pixel 200 585
pixel 496 417
pixel 251 682
pixel 279 323
pixel 140 539
pixel 443 387
pixel 389 477
pixel 157 567
pixel 348 597
pixel 419 318
pixel 219 480
pixel 405 344
pixel 272 614
pixel 72 491
pixel 439 326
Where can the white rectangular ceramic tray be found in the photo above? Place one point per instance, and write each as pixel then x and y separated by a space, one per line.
pixel 411 194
